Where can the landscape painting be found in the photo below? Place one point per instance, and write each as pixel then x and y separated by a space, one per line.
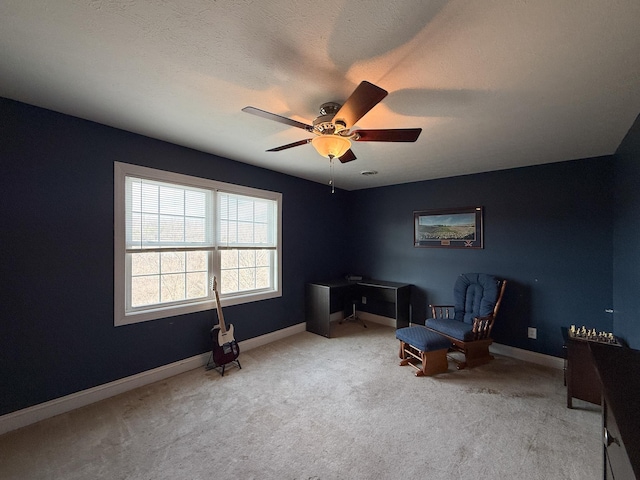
pixel 452 228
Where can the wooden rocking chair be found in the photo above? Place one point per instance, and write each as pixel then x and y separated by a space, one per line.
pixel 464 327
pixel 468 323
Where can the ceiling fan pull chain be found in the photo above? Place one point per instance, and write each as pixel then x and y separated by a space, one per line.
pixel 333 187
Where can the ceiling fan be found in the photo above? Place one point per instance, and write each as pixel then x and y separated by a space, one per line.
pixel 333 126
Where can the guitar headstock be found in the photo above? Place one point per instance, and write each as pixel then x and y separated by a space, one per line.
pixel 213 283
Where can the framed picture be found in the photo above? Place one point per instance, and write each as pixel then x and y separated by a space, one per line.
pixel 448 228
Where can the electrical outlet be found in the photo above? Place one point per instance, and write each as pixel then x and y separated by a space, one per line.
pixel 532 332
pixel 364 300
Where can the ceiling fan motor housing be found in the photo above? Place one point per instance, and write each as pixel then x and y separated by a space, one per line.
pixel 323 124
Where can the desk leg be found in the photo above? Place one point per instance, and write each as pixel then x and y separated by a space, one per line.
pixel 403 296
pixel 318 314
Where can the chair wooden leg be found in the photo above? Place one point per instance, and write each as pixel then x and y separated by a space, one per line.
pixel 425 363
pixel 433 362
pixel 405 357
pixel 475 355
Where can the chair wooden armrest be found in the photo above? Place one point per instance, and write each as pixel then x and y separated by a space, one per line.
pixel 442 311
pixel 482 327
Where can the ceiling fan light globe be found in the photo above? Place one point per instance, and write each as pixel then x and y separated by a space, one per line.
pixel 331 145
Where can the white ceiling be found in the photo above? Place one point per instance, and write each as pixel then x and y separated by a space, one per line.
pixel 494 84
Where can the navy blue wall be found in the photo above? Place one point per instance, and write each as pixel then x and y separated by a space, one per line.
pixel 56 288
pixel 547 230
pixel 626 270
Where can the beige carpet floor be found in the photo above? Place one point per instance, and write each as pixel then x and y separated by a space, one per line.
pixel 309 407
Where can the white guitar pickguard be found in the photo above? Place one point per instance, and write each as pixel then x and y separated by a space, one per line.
pixel 226 337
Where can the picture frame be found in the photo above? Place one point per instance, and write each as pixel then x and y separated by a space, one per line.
pixel 449 228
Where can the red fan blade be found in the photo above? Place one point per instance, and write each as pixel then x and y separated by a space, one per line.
pixel 290 145
pixel 277 118
pixel 347 156
pixel 392 135
pixel 364 98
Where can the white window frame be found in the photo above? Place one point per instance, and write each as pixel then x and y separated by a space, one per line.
pixel 124 317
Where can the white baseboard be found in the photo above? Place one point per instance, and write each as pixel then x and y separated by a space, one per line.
pixel 527 356
pixel 365 317
pixel 372 317
pixel 272 337
pixel 27 416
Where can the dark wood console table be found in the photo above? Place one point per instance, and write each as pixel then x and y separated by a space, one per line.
pixel 324 298
pixel 618 372
pixel 581 376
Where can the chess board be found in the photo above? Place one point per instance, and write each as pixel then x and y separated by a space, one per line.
pixel 591 335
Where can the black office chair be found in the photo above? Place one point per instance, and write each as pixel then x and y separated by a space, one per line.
pixel 354 314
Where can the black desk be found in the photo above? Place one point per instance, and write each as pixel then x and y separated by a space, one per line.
pixel 325 298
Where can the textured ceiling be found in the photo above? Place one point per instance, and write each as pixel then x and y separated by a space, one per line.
pixel 493 84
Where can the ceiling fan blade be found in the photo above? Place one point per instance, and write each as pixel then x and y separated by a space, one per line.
pixel 290 145
pixel 392 135
pixel 347 156
pixel 277 118
pixel 364 98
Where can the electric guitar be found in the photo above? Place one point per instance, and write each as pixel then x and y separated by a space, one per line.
pixel 225 347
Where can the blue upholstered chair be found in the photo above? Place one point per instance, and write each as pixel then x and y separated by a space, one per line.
pixel 466 325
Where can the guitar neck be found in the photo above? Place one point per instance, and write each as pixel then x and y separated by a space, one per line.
pixel 223 327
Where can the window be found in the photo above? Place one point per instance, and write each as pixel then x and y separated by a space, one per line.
pixel 174 233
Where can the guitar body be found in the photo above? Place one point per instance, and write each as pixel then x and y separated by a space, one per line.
pixel 225 337
pixel 224 346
